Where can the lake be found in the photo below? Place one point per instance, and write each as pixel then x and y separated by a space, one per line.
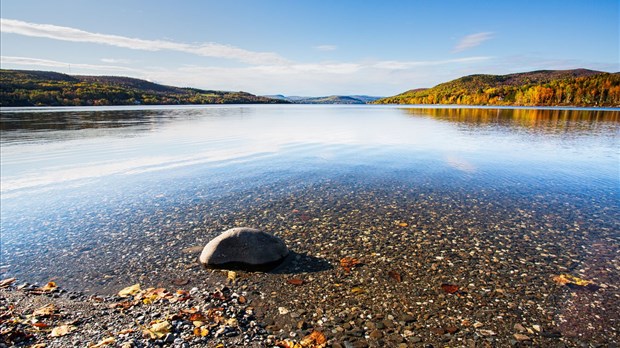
pixel 495 198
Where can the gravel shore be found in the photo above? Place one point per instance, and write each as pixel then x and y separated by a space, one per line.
pixel 404 266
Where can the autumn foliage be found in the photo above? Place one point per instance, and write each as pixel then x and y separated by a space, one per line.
pixel 540 88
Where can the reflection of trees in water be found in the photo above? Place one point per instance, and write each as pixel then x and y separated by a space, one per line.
pixel 542 120
pixel 74 120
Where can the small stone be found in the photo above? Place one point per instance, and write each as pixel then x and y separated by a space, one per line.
pixel 438 331
pixel 521 337
pixel 416 339
pixel 478 324
pixel 302 325
pixel 536 327
pixel 388 323
pixel 407 318
pixel 283 310
pixel 452 329
pixel 245 249
pixel 519 327
pixel 487 332
pixel 376 334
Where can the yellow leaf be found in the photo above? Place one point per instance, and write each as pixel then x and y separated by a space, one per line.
pixel 49 287
pixel 46 310
pixel 316 340
pixel 201 331
pixel 564 279
pixel 158 329
pixel 61 330
pixel 357 290
pixel 104 342
pixel 129 291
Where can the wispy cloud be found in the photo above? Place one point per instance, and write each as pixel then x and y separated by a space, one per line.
pixel 116 61
pixel 471 41
pixel 403 65
pixel 208 49
pixel 326 47
pixel 30 62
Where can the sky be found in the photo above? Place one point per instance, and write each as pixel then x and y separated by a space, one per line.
pixel 308 48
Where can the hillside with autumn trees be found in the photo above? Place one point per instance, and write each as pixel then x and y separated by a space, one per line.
pixel 46 88
pixel 579 87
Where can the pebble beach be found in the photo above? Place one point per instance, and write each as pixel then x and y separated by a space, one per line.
pixel 379 263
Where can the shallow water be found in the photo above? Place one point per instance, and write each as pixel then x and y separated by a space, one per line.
pixel 96 198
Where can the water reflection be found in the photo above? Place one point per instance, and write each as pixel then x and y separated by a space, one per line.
pixel 540 120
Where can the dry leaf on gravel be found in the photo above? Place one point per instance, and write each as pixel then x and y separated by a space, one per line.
pixel 450 288
pixel 316 339
pixel 348 262
pixel 295 281
pixel 564 279
pixel 129 291
pixel 158 329
pixel 49 287
pixel 44 311
pixel 201 331
pixel 61 330
pixel 104 342
pixel 7 282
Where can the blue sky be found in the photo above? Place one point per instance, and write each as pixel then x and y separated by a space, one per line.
pixel 318 47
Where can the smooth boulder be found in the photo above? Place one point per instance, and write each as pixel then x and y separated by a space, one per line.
pixel 244 249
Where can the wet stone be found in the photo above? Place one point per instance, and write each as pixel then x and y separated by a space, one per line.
pixel 245 249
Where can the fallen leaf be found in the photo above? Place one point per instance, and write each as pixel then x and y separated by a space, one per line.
pixel 7 282
pixel 357 290
pixel 316 339
pixel 40 325
pixel 395 275
pixel 450 288
pixel 129 291
pixel 295 281
pixel 126 331
pixel 49 287
pixel 197 317
pixel 46 310
pixel 104 342
pixel 158 329
pixel 242 299
pixel 201 331
pixel 565 279
pixel 348 262
pixel 62 330
pixel 232 276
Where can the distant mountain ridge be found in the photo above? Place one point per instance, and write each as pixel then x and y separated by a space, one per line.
pixel 47 88
pixel 332 99
pixel 578 87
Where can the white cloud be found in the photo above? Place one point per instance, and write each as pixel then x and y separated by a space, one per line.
pixel 116 61
pixel 208 49
pixel 471 41
pixel 29 62
pixel 323 78
pixel 403 65
pixel 326 47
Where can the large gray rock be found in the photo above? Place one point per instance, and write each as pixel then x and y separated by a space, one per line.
pixel 245 249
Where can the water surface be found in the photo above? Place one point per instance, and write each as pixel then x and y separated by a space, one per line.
pixel 95 197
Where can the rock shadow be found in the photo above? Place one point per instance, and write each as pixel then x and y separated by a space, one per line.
pixel 301 263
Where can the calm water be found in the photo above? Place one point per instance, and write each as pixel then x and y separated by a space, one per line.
pixel 79 184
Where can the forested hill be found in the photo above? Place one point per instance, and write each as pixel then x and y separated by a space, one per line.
pixel 46 88
pixel 579 87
